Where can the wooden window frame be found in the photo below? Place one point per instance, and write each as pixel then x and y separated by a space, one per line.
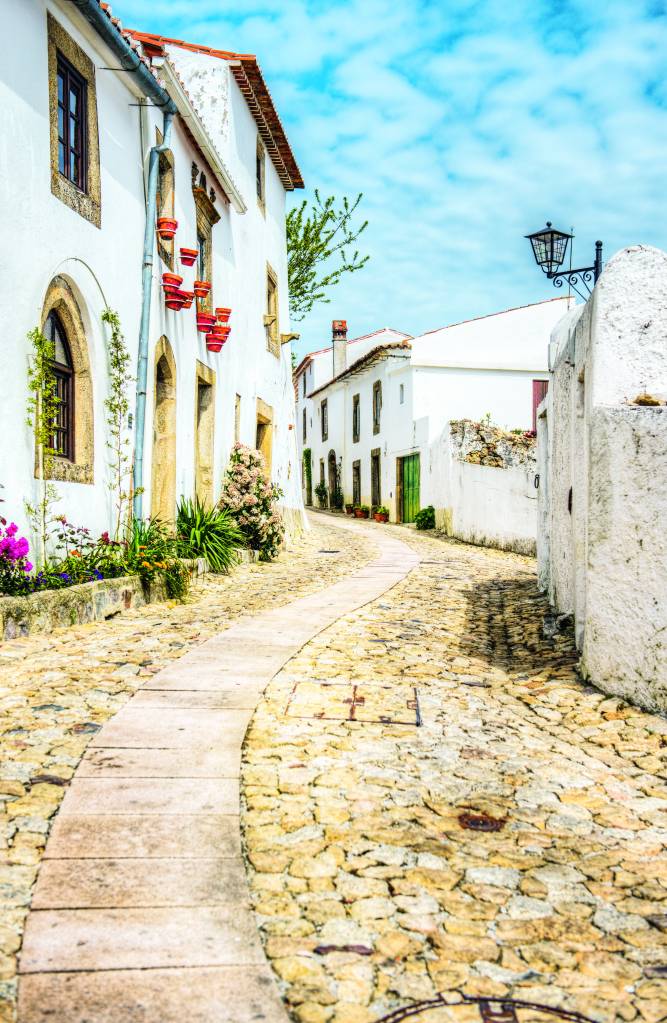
pixel 78 147
pixel 62 438
pixel 377 406
pixel 324 419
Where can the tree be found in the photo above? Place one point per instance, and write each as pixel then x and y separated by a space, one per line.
pixel 318 239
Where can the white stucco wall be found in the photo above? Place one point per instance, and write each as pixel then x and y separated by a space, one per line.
pixel 605 560
pixel 103 266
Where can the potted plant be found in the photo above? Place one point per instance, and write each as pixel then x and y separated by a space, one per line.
pixel 201 289
pixel 322 494
pixel 188 256
pixel 381 514
pixel 166 228
pixel 365 510
pixel 223 314
pixel 357 511
pixel 349 508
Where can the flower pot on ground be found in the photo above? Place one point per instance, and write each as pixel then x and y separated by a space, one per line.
pixel 381 514
pixel 223 314
pixel 171 280
pixel 201 289
pixel 349 508
pixel 357 512
pixel 365 511
pixel 188 256
pixel 166 227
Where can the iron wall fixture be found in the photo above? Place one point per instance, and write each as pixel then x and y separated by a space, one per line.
pixel 550 248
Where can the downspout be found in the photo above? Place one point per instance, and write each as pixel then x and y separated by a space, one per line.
pixel 144 329
pixel 130 61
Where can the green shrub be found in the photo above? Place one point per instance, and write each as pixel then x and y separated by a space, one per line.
pixel 322 494
pixel 425 519
pixel 251 499
pixel 209 533
pixel 382 510
pixel 152 552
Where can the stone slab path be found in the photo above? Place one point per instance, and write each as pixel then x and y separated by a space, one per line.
pixel 141 912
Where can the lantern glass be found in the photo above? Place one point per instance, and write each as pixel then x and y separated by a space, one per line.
pixel 549 247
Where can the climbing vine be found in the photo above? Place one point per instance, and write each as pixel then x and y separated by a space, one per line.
pixel 42 412
pixel 308 474
pixel 117 407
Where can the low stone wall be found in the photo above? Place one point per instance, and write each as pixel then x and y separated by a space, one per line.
pixel 483 444
pixel 87 602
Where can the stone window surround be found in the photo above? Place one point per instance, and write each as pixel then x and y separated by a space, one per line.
pixel 264 432
pixel 356 418
pixel 60 299
pixel 377 405
pixel 87 204
pixel 165 200
pixel 207 217
pixel 324 419
pixel 271 320
pixel 204 436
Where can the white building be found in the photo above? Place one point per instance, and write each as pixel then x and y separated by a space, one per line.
pixel 384 416
pixel 74 195
pixel 603 462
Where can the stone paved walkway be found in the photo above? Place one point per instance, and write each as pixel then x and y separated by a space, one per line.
pixel 56 691
pixel 375 757
pixel 140 911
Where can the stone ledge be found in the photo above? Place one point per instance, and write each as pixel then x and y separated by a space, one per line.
pixel 85 602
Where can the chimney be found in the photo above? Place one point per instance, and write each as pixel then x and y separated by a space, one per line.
pixel 339 335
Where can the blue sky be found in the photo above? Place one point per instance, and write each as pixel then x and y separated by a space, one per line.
pixel 466 124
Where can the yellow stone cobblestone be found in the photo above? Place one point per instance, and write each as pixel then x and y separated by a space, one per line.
pixel 563 904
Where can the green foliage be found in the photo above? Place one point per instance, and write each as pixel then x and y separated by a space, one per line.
pixel 365 509
pixel 42 411
pixel 382 510
pixel 425 519
pixel 209 533
pixel 318 238
pixel 308 468
pixel 153 552
pixel 322 494
pixel 117 407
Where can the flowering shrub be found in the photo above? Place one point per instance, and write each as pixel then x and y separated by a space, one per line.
pixel 250 497
pixel 14 564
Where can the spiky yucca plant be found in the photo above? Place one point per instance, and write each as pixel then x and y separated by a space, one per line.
pixel 209 533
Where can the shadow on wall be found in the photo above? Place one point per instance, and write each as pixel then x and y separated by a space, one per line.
pixel 504 627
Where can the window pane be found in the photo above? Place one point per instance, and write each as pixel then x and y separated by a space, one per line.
pixel 73 101
pixel 73 166
pixel 62 355
pixel 61 123
pixel 61 86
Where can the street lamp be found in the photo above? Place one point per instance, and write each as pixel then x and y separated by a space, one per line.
pixel 550 248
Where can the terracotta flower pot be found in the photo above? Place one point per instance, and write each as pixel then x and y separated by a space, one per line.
pixel 213 343
pixel 205 322
pixel 223 314
pixel 364 513
pixel 349 508
pixel 188 256
pixel 188 298
pixel 174 302
pixel 166 227
pixel 171 280
pixel 358 514
pixel 381 517
pixel 201 289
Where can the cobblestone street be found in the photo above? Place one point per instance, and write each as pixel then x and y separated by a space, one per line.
pixel 435 805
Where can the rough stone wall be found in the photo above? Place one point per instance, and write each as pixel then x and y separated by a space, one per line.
pixel 484 444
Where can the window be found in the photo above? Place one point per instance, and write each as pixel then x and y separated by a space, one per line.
pixel 321 470
pixel 207 217
pixel 271 317
pixel 304 384
pixel 356 483
pixel 71 124
pixel 73 134
pixel 401 394
pixel 540 388
pixel 165 201
pixel 355 418
pixel 376 484
pixel 260 171
pixel 377 405
pixel 325 419
pixel 305 428
pixel 62 440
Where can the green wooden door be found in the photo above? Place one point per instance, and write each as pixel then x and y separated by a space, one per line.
pixel 409 487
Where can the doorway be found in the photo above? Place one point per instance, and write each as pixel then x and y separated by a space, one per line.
pixel 264 434
pixel 408 487
pixel 204 433
pixel 163 471
pixel 332 470
pixel 376 486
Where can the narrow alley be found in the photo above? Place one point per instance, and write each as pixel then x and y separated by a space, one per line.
pixel 438 819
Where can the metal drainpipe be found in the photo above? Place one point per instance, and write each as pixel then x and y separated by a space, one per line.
pixel 144 330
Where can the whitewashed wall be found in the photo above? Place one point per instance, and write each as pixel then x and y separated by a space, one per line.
pixel 605 561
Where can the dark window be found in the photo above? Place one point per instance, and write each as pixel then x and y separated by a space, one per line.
pixel 377 405
pixel 304 383
pixel 259 170
pixel 305 429
pixel 202 259
pixel 325 420
pixel 355 418
pixel 72 155
pixel 62 440
pixel 540 388
pixel 356 483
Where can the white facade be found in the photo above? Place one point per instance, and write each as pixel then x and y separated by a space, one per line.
pixel 603 462
pixel 48 240
pixel 469 370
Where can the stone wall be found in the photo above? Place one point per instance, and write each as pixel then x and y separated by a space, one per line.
pixel 603 464
pixel 484 444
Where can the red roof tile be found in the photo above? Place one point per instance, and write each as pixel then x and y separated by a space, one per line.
pixel 248 75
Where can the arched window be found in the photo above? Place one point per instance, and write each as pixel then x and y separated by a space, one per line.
pixel 62 440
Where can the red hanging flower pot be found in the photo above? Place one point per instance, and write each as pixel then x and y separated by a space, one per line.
pixel 202 288
pixel 205 322
pixel 171 280
pixel 223 314
pixel 188 256
pixel 213 343
pixel 174 302
pixel 188 298
pixel 166 227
